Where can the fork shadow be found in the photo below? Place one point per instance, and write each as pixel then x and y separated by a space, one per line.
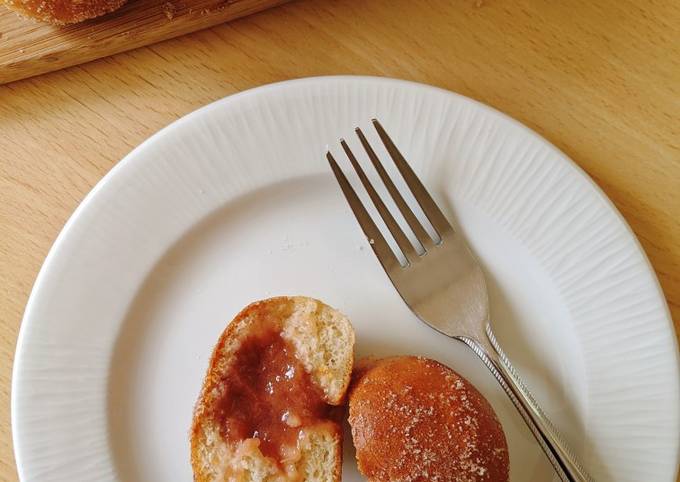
pixel 515 340
pixel 541 472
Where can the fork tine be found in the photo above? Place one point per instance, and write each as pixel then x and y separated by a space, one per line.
pixel 399 236
pixel 417 228
pixel 427 204
pixel 375 237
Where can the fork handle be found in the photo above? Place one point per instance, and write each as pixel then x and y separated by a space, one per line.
pixel 566 465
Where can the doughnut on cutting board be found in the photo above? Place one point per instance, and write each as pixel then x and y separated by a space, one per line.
pixel 29 48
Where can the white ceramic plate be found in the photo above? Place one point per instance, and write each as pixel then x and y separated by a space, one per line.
pixel 235 202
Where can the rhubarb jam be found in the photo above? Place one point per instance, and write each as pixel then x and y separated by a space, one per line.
pixel 269 396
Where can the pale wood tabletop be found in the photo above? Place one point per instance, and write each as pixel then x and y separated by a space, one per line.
pixel 600 80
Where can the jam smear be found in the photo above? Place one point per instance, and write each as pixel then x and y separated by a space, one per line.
pixel 269 396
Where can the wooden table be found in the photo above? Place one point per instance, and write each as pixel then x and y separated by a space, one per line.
pixel 601 80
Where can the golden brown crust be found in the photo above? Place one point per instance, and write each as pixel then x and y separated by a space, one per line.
pixel 253 318
pixel 416 420
pixel 61 12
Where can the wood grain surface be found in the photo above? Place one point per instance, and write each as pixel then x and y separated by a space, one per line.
pixel 601 80
pixel 30 48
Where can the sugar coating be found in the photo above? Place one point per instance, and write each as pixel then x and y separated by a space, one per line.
pixel 414 419
pixel 61 12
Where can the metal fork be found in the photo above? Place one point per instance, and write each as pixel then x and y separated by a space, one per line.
pixel 444 286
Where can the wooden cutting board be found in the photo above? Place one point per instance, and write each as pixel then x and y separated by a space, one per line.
pixel 30 48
